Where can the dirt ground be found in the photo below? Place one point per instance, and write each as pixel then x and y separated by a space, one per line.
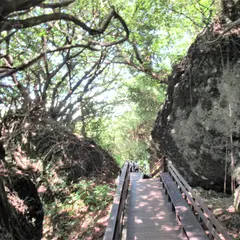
pixel 222 206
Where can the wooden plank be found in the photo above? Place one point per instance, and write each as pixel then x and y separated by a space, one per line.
pixel 114 223
pixel 206 215
pixel 149 215
pixel 189 222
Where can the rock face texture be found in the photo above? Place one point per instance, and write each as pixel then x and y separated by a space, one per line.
pixel 198 128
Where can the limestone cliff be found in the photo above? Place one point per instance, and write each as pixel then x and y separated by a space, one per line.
pixel 198 126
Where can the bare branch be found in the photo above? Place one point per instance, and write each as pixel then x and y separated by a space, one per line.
pixel 161 78
pixel 56 5
pixel 186 16
pixel 90 76
pixel 22 67
pixel 229 27
pixel 55 90
pixel 8 36
pixel 17 14
pixel 137 54
pixel 33 21
pixel 2 85
pixel 44 42
pixel 8 7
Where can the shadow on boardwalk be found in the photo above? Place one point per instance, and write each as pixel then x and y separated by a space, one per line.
pixel 149 214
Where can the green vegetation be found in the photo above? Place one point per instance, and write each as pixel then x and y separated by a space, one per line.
pixel 157 42
pixel 82 203
pixel 127 134
pixel 83 78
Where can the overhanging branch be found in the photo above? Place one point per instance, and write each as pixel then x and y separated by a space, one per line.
pixel 56 5
pixel 8 25
pixel 10 72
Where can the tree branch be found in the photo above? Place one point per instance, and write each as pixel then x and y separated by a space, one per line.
pixel 8 7
pixel 90 76
pixel 33 21
pixel 228 28
pixel 8 36
pixel 50 76
pixel 157 76
pixel 56 5
pixel 55 90
pixel 10 72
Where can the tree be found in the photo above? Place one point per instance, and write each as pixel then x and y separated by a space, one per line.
pixel 127 133
pixel 53 52
pixel 50 62
pixel 163 32
pixel 51 58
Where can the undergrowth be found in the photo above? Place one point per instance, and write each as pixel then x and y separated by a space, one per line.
pixel 76 210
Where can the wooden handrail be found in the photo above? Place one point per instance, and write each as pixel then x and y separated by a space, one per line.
pixel 162 166
pixel 216 230
pixel 114 226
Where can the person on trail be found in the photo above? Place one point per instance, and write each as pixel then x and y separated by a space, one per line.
pixel 136 167
pixel 132 167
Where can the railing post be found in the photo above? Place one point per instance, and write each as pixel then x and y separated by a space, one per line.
pixel 165 164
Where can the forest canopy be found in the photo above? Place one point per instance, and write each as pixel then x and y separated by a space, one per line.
pixel 78 61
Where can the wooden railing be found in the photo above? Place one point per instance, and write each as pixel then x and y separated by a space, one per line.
pixel 205 216
pixel 114 226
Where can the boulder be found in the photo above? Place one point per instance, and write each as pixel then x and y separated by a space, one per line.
pixel 198 126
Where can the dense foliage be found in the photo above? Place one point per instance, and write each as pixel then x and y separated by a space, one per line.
pixel 61 56
pixel 82 62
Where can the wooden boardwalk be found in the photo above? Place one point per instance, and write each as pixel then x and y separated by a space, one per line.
pixel 141 210
pixel 148 213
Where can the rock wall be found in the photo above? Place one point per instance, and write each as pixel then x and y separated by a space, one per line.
pixel 198 127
